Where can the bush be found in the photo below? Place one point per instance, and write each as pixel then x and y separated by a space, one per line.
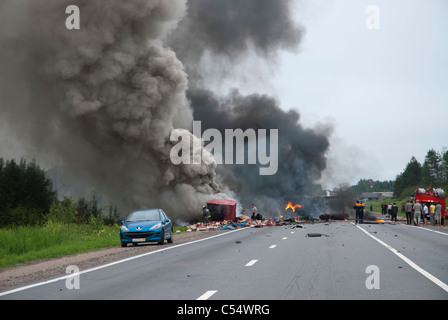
pixel 96 224
pixel 21 216
pixel 87 209
pixel 113 217
pixel 63 212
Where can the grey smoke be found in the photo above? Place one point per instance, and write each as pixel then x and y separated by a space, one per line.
pixel 216 37
pixel 104 99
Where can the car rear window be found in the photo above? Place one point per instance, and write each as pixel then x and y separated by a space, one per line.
pixel 145 215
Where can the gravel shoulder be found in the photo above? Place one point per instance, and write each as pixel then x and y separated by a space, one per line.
pixel 49 268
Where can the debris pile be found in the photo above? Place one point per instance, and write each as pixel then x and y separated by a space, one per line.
pixel 244 221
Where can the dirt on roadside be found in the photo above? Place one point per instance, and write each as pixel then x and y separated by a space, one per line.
pixel 49 268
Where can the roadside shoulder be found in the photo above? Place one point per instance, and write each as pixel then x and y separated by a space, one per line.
pixel 45 269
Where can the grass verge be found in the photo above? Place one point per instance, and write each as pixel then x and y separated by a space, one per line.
pixel 24 244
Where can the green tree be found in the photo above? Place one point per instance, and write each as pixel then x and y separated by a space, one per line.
pixel 444 169
pixel 431 175
pixel 410 177
pixel 23 185
pixel 370 185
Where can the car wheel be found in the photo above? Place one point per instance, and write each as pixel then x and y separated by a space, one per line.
pixel 170 239
pixel 124 244
pixel 162 238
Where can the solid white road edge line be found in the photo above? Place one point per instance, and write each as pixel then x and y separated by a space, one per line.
pixel 111 264
pixel 207 295
pixel 438 282
pixel 422 228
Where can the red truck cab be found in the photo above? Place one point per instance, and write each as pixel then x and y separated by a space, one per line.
pixel 430 196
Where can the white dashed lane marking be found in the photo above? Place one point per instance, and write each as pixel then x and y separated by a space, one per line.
pixel 207 295
pixel 251 263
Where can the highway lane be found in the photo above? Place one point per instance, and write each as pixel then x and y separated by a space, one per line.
pixel 273 263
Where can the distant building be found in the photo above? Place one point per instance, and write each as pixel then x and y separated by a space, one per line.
pixel 376 195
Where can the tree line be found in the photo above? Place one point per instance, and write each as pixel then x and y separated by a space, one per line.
pixel 27 197
pixel 432 173
pixel 370 185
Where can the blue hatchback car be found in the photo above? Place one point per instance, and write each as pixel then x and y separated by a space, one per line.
pixel 148 225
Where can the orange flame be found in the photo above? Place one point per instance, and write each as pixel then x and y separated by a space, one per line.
pixel 293 207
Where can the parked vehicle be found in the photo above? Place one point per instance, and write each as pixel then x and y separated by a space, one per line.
pixel 430 196
pixel 148 225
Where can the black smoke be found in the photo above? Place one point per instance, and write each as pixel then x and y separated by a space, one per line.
pixel 301 151
pixel 221 36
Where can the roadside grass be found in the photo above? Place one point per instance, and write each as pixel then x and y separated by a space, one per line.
pixel 24 243
pixel 376 205
pixel 53 239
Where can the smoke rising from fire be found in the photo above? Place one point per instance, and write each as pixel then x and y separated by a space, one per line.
pixel 104 99
pixel 302 152
pixel 219 36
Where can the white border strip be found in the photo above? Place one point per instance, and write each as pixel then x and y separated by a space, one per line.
pixel 438 282
pixel 422 228
pixel 112 264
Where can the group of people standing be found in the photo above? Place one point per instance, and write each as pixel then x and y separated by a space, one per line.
pixel 417 211
pixel 391 209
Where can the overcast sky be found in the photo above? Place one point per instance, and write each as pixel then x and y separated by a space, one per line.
pixel 385 91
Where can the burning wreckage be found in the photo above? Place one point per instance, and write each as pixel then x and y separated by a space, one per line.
pixel 222 216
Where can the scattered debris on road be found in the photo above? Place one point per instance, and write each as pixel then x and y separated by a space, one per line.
pixel 314 235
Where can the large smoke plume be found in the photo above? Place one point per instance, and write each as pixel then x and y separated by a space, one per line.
pixel 103 100
pixel 222 36
pixel 301 151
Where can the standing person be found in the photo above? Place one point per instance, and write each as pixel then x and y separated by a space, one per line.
pixel 444 215
pixel 438 214
pixel 393 213
pixel 206 213
pixel 359 216
pixel 425 213
pixel 389 209
pixel 383 209
pixel 432 213
pixel 254 211
pixel 417 212
pixel 408 212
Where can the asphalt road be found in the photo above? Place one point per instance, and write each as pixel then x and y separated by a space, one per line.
pixel 369 261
